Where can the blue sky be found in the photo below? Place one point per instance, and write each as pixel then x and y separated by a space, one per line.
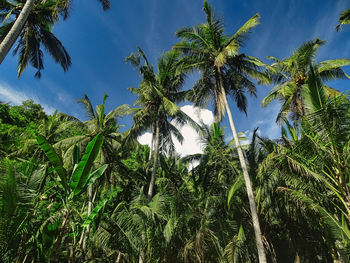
pixel 98 42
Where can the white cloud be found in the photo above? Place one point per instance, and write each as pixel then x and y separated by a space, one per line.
pixel 191 144
pixel 198 114
pixel 7 94
pixel 10 95
pixel 145 139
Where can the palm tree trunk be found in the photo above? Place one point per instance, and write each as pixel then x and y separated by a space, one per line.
pixel 87 230
pixel 142 251
pixel 14 32
pixel 155 160
pixel 248 184
pixel 297 258
pixel 151 150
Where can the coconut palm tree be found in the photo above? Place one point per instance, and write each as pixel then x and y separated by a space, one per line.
pixel 21 184
pixel 309 170
pixel 224 71
pixel 344 19
pixel 33 24
pixel 218 189
pixel 291 77
pixel 14 29
pixel 158 93
pixel 54 128
pixel 99 122
pixel 34 33
pixel 217 163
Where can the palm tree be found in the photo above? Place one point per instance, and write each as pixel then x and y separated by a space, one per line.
pixel 216 161
pixel 291 77
pixel 302 181
pixel 54 128
pixel 310 169
pixel 33 24
pixel 224 71
pixel 158 94
pixel 16 27
pixel 21 184
pixel 34 33
pixel 344 19
pixel 217 191
pixel 99 122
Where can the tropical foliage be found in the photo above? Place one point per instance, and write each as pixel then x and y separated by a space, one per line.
pixel 344 19
pixel 291 77
pixel 75 190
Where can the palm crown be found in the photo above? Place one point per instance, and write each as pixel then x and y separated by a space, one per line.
pixel 37 32
pixel 291 77
pixel 99 122
pixel 158 94
pixel 216 55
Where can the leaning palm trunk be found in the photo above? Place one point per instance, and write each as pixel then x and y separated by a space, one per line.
pixel 248 184
pixel 155 161
pixel 14 32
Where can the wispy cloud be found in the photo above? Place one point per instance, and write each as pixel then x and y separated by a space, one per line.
pixel 325 28
pixel 13 96
pixel 267 122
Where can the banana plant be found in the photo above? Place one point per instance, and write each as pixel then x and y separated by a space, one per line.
pixel 81 176
pixel 74 184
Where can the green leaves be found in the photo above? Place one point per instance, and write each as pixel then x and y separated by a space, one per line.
pixel 96 174
pixel 314 94
pixel 344 19
pixel 297 77
pixel 169 229
pixel 81 174
pixel 231 47
pixel 94 213
pixel 8 191
pixel 54 159
pixel 234 188
pixel 337 229
pixel 76 154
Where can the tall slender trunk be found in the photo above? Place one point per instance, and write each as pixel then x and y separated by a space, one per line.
pixel 155 161
pixel 150 189
pixel 297 258
pixel 15 30
pixel 151 150
pixel 118 258
pixel 248 184
pixel 87 230
pixel 142 251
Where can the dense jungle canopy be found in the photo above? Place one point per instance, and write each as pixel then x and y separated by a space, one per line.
pixel 93 188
